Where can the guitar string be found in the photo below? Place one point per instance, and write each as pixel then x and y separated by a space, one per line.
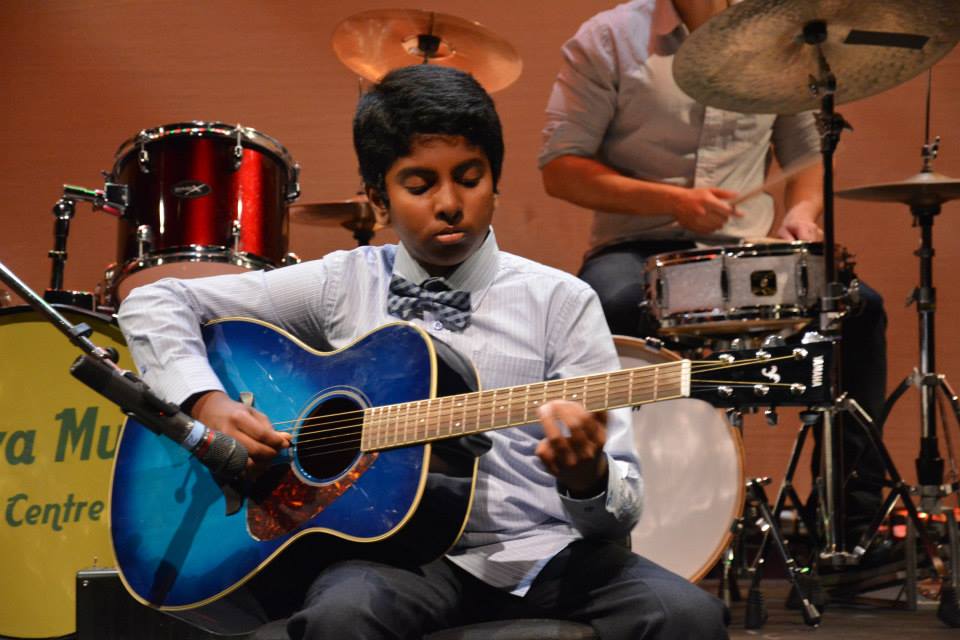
pixel 711 366
pixel 490 415
pixel 481 411
pixel 589 385
pixel 623 386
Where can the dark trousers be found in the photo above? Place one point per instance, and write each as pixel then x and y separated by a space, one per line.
pixel 617 275
pixel 601 583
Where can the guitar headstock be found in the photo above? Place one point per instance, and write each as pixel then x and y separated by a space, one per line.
pixel 799 375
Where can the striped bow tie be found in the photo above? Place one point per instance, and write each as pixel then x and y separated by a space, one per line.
pixel 451 308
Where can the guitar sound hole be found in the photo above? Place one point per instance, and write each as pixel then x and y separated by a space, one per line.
pixel 328 441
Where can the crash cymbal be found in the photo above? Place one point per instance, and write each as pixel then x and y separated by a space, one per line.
pixel 752 57
pixel 374 42
pixel 925 188
pixel 354 214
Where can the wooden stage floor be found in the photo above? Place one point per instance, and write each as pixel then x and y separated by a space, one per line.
pixel 839 621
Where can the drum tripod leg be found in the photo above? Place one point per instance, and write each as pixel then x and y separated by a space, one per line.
pixel 756 614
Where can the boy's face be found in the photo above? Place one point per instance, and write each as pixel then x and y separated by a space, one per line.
pixel 441 201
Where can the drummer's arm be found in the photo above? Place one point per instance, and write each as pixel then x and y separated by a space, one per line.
pixel 803 201
pixel 589 183
pixel 795 140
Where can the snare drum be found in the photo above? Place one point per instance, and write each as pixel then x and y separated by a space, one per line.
pixel 56 453
pixel 692 465
pixel 204 198
pixel 733 290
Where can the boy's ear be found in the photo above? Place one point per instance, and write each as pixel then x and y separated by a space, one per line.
pixel 380 210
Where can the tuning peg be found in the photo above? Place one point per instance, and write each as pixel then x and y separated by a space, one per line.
pixel 771 417
pixel 763 355
pixel 761 390
pixel 799 354
pixel 735 417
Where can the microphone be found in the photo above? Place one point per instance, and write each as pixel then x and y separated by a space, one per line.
pixel 224 456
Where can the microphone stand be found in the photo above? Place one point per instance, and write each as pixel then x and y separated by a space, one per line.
pixel 98 369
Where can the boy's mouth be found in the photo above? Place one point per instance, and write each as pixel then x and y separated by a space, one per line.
pixel 450 235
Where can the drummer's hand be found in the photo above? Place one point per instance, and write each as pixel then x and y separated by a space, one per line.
pixel 800 227
pixel 576 460
pixel 704 210
pixel 245 424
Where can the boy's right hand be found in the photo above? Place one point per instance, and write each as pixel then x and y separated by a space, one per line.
pixel 248 426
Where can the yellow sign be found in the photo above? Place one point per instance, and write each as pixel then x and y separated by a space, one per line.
pixel 57 441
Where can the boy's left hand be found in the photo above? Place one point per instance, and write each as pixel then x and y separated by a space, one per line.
pixel 572 447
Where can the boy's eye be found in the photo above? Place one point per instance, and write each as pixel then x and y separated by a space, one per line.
pixel 416 186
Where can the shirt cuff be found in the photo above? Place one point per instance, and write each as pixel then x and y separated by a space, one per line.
pixel 587 508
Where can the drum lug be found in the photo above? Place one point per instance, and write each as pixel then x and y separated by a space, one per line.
pixel 803 279
pixel 724 279
pixel 293 190
pixel 773 341
pixel 238 150
pixel 144 240
pixel 143 157
pixel 291 258
pixel 235 228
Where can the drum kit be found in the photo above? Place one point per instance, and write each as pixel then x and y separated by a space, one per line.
pixel 202 198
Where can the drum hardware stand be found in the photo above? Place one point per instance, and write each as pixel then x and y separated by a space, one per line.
pixel 832 308
pixel 756 613
pixel 929 464
pixel 113 198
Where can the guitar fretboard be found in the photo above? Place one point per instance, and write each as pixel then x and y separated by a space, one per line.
pixel 423 421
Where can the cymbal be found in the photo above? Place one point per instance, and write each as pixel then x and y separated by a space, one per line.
pixel 354 214
pixel 371 43
pixel 752 57
pixel 925 188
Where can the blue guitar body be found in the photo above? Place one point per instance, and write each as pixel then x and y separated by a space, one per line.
pixel 177 546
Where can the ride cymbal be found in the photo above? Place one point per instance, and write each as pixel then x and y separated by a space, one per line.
pixel 374 42
pixel 923 189
pixel 753 57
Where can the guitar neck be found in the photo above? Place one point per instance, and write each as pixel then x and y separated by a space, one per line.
pixel 423 421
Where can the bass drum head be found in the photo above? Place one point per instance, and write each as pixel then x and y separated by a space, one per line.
pixel 691 461
pixel 56 454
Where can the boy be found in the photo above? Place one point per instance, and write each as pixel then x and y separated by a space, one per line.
pixel 552 498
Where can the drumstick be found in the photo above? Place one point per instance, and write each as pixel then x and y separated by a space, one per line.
pixel 785 174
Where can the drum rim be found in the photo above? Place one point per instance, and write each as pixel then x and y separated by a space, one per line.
pixel 764 313
pixel 116 273
pixel 748 249
pixel 206 128
pixel 740 501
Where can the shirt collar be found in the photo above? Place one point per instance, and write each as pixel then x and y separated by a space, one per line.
pixel 475 274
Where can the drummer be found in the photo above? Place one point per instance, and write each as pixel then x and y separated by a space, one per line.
pixel 661 172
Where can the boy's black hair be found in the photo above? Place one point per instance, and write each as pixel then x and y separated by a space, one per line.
pixel 423 99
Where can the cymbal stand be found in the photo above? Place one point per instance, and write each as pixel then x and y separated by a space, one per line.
pixel 832 310
pixel 929 464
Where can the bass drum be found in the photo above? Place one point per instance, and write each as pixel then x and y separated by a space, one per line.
pixel 56 451
pixel 692 465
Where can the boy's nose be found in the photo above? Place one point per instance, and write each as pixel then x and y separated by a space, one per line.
pixel 448 204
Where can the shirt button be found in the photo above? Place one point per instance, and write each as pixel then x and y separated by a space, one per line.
pixel 437 325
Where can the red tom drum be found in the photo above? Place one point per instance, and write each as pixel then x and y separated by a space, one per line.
pixel 204 198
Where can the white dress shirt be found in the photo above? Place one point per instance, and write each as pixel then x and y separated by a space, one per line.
pixel 529 323
pixel 615 100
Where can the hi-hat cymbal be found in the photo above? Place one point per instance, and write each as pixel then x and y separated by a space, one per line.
pixel 354 214
pixel 923 189
pixel 753 58
pixel 374 42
